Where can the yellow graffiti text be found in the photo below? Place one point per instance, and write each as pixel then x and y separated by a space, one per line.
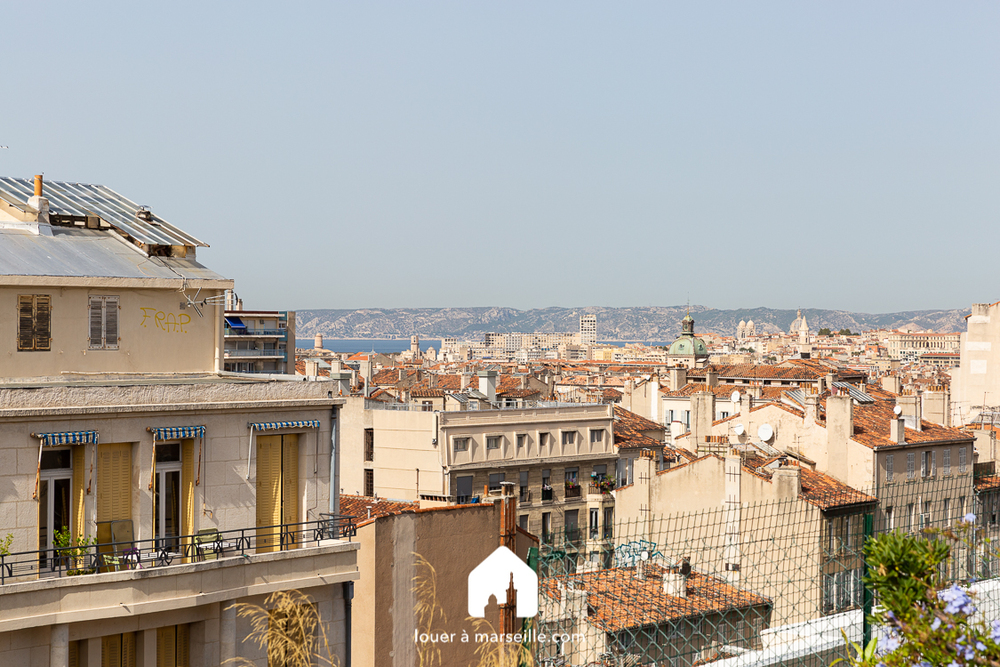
pixel 169 322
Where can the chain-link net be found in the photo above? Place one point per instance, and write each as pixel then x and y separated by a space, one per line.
pixel 777 583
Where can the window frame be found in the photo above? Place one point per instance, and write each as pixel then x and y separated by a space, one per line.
pixel 108 304
pixel 494 441
pixel 40 336
pixel 464 439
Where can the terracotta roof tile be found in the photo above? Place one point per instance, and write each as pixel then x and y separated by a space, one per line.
pixel 617 600
pixel 358 506
pixel 629 429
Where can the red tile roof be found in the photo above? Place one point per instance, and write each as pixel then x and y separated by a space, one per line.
pixel 629 430
pixel 363 507
pixel 617 600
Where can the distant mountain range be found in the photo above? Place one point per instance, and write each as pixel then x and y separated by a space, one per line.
pixel 620 324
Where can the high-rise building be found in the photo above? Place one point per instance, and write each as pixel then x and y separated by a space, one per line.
pixel 588 330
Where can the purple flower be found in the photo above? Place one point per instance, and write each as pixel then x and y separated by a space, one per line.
pixel 995 631
pixel 888 643
pixel 957 601
pixel 969 518
pixel 936 624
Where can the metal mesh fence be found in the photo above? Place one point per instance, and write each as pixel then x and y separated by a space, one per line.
pixel 772 583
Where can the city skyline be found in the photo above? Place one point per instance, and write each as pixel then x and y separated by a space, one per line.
pixel 815 150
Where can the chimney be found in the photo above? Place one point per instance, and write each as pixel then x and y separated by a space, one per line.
pixel 678 378
pixel 38 185
pixel 897 431
pixel 524 381
pixel 312 368
pixel 402 374
pixel 702 416
pixel 839 430
pixel 892 384
pixel 432 380
pixel 488 384
pixel 910 402
pixel 811 408
pixel 787 480
pixel 674 583
pixel 466 378
pixel 41 204
pixel 343 380
pixel 712 378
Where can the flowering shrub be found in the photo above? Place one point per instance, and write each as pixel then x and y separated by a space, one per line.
pixel 923 622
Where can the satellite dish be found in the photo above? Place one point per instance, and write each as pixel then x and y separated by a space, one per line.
pixel 644 555
pixel 738 429
pixel 898 410
pixel 765 432
pixel 735 398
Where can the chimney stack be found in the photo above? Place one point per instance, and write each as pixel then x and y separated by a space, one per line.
pixel 488 384
pixel 675 583
pixel 897 431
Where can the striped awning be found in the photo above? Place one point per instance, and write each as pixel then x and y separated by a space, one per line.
pixel 177 432
pixel 270 426
pixel 67 438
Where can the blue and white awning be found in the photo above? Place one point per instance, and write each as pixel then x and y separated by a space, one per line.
pixel 177 432
pixel 67 438
pixel 270 426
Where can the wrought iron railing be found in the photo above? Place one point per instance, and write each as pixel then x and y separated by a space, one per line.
pixel 266 352
pixel 83 559
pixel 256 332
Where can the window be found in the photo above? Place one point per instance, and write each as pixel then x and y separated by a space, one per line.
pixel 546 485
pixel 495 479
pixel 596 435
pixel 946 511
pixel 523 475
pixel 687 418
pixel 609 519
pixel 594 518
pixel 961 459
pixel 104 323
pixel 493 442
pixel 909 465
pixel 724 415
pixel 54 498
pixel 463 487
pixel 369 444
pixel 427 406
pixel 888 468
pixel 926 464
pixel 543 439
pixel 522 522
pixel 888 518
pixel 521 438
pixel 461 444
pixel 946 462
pixel 571 475
pixel 568 437
pixel 34 322
pixel 601 471
pixel 909 517
pixel 167 495
pixel 546 525
pixel 670 416
pixel 369 482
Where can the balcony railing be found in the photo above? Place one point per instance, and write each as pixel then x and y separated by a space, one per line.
pixel 524 496
pixel 546 494
pixel 256 332
pixel 572 491
pixel 162 552
pixel 267 352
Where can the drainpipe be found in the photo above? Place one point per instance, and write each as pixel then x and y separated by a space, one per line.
pixel 334 465
pixel 348 596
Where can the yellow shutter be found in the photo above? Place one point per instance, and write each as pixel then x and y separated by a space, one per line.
pixel 187 489
pixel 166 647
pixel 74 654
pixel 114 482
pixel 290 484
pixel 79 463
pixel 128 650
pixel 111 651
pixel 183 645
pixel 268 490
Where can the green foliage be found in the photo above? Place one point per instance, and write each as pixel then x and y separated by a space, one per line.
pixel 73 550
pixel 825 331
pixel 5 544
pixel 902 569
pixel 861 656
pixel 845 332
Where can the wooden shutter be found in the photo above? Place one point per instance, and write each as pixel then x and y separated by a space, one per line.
pixel 114 482
pixel 74 654
pixel 184 645
pixel 78 489
pixel 25 322
pixel 166 646
pixel 290 484
pixel 111 651
pixel 96 322
pixel 187 487
pixel 268 491
pixel 111 322
pixel 43 322
pixel 128 650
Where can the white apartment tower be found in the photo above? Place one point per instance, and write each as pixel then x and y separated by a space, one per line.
pixel 588 330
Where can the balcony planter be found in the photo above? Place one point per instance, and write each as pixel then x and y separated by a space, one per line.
pixel 572 489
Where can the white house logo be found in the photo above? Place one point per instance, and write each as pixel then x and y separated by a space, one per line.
pixel 493 576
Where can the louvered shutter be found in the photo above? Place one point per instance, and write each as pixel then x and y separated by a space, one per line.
pixel 43 322
pixel 111 322
pixel 187 488
pixel 96 322
pixel 166 646
pixel 290 483
pixel 268 491
pixel 183 645
pixel 128 650
pixel 74 654
pixel 25 322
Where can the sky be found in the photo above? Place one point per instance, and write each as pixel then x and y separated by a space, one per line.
pixel 840 155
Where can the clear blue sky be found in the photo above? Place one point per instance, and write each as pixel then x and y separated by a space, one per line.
pixel 343 155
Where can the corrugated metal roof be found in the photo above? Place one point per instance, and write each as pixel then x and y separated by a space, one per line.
pixel 78 252
pixel 82 199
pixel 856 394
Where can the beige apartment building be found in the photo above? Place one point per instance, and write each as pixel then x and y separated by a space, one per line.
pixel 555 456
pixel 144 493
pixel 975 384
pixel 908 346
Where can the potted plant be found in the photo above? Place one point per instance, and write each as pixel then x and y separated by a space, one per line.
pixel 70 551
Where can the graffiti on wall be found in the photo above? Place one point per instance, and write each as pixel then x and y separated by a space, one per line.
pixel 169 322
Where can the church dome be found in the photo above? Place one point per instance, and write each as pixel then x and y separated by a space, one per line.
pixel 687 343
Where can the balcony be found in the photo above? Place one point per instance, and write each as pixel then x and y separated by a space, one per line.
pixel 259 333
pixel 266 353
pixel 524 496
pixel 572 490
pixel 41 588
pixel 546 494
